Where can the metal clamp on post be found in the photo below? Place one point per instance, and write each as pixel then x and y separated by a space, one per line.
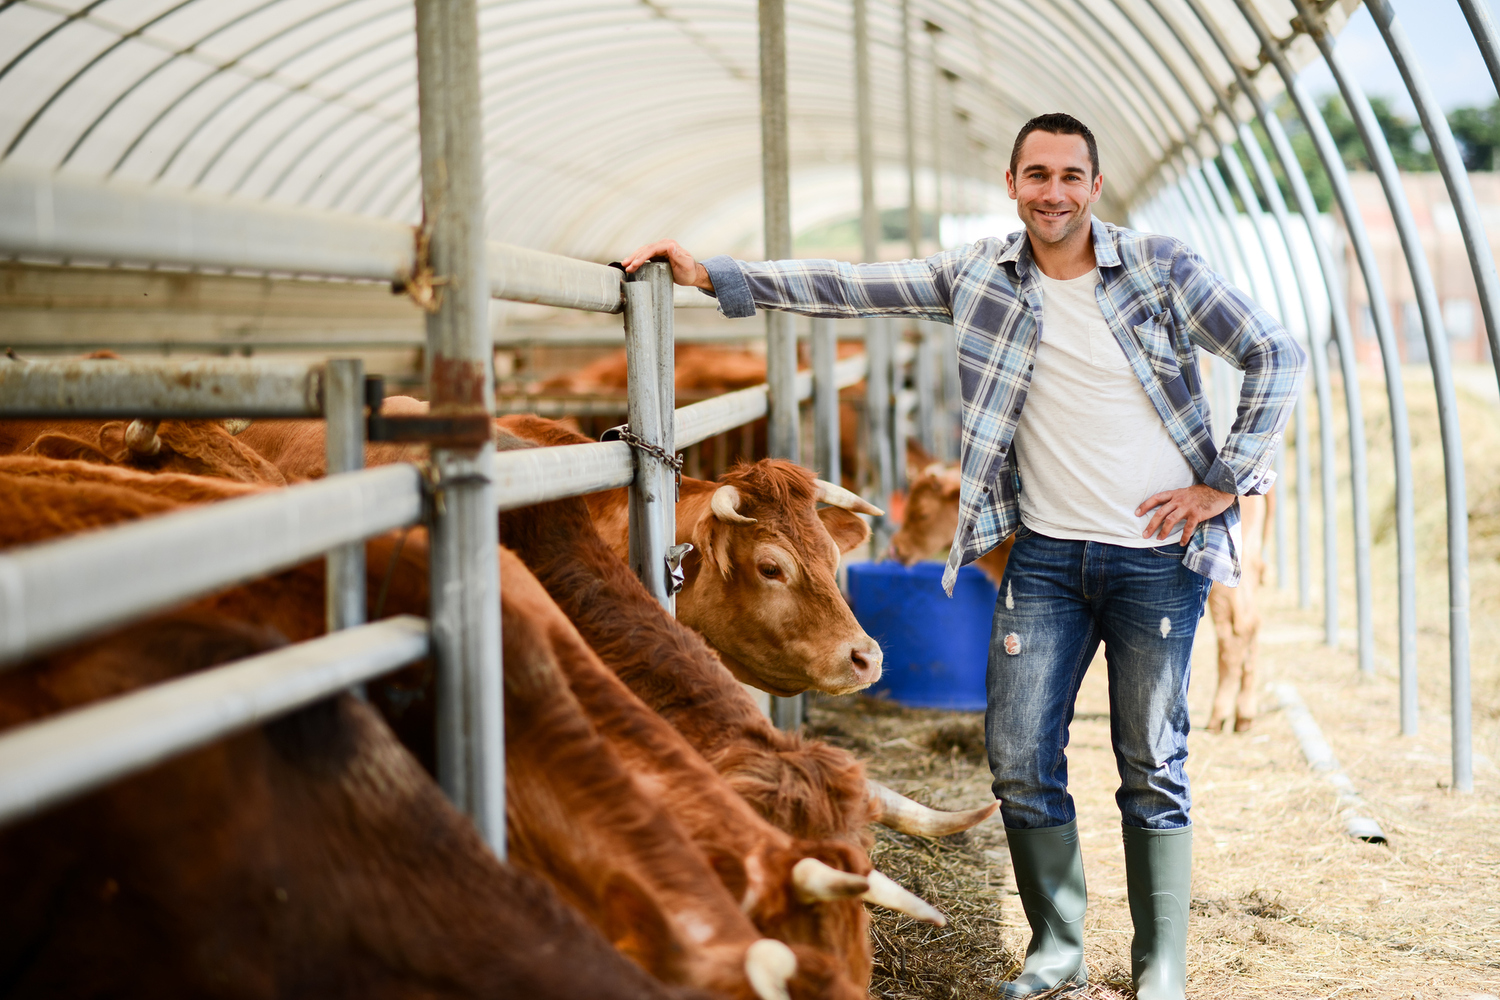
pixel 465 431
pixel 675 575
pixel 673 462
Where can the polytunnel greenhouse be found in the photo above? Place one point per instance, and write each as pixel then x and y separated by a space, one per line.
pixel 412 585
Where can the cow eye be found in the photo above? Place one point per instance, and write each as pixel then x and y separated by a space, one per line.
pixel 770 570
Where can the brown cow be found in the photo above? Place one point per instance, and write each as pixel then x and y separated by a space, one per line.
pixel 194 447
pixel 1237 620
pixel 805 787
pixel 760 583
pixel 310 856
pixel 768 601
pixel 695 367
pixel 622 860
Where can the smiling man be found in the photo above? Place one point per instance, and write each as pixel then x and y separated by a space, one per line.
pixel 1085 432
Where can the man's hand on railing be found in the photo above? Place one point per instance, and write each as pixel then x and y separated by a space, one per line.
pixel 685 270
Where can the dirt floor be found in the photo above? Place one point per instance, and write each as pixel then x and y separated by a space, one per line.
pixel 1285 903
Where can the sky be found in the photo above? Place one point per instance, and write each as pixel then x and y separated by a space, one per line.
pixel 1444 45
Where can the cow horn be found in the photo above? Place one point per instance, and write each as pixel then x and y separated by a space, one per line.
pixel 234 425
pixel 141 439
pixel 884 892
pixel 900 813
pixel 768 966
pixel 837 496
pixel 725 504
pixel 815 882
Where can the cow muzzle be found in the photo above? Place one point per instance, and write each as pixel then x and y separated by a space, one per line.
pixel 865 662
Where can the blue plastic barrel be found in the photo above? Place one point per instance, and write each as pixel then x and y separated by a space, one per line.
pixel 935 649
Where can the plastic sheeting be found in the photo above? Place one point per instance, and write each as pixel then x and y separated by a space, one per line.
pixel 606 121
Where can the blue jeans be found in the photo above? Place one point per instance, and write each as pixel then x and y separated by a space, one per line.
pixel 1059 599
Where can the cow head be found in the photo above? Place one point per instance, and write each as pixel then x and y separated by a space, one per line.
pixel 761 584
pixel 931 515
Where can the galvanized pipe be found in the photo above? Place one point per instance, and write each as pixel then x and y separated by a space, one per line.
pixel 113 389
pixel 908 99
pixel 528 476
pixel 1317 353
pixel 1252 206
pixel 344 445
pixel 61 757
pixel 1437 352
pixel 1482 24
pixel 1482 262
pixel 1455 178
pixel 63 591
pixel 1302 480
pixel 825 400
pixel 464 544
pixel 1318 358
pixel 1333 165
pixel 651 488
pixel 783 437
pixel 57 215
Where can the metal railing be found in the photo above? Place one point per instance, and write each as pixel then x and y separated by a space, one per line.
pixel 59 592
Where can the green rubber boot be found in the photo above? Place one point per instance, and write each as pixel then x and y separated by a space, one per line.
pixel 1049 876
pixel 1158 874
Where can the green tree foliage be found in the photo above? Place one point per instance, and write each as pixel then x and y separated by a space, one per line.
pixel 1478 133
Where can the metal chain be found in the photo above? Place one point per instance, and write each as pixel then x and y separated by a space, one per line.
pixel 656 451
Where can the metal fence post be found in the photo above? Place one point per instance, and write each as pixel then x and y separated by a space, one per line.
pixel 464 562
pixel 344 412
pixel 653 487
pixel 1482 262
pixel 783 438
pixel 825 400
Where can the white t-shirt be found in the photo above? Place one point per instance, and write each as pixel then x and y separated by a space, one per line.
pixel 1089 445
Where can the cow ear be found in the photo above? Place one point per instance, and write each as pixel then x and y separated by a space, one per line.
pixel 711 540
pixel 951 486
pixel 917 457
pixel 635 924
pixel 846 528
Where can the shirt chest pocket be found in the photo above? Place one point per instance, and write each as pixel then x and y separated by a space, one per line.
pixel 1155 338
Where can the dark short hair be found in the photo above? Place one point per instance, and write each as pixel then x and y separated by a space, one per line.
pixel 1058 124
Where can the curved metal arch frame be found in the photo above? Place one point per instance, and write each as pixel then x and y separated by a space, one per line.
pixel 1333 166
pixel 1272 195
pixel 1342 337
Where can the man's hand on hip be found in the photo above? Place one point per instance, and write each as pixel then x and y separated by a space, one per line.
pixel 1192 506
pixel 685 270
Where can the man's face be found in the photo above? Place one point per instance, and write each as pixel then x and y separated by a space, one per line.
pixel 1053 186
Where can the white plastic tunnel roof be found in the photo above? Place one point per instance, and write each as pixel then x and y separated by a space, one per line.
pixel 608 122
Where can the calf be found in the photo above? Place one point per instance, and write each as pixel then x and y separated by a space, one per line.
pixel 1237 620
pixel 307 857
pixel 931 516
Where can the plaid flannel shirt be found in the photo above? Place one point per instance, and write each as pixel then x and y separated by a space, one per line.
pixel 1160 300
